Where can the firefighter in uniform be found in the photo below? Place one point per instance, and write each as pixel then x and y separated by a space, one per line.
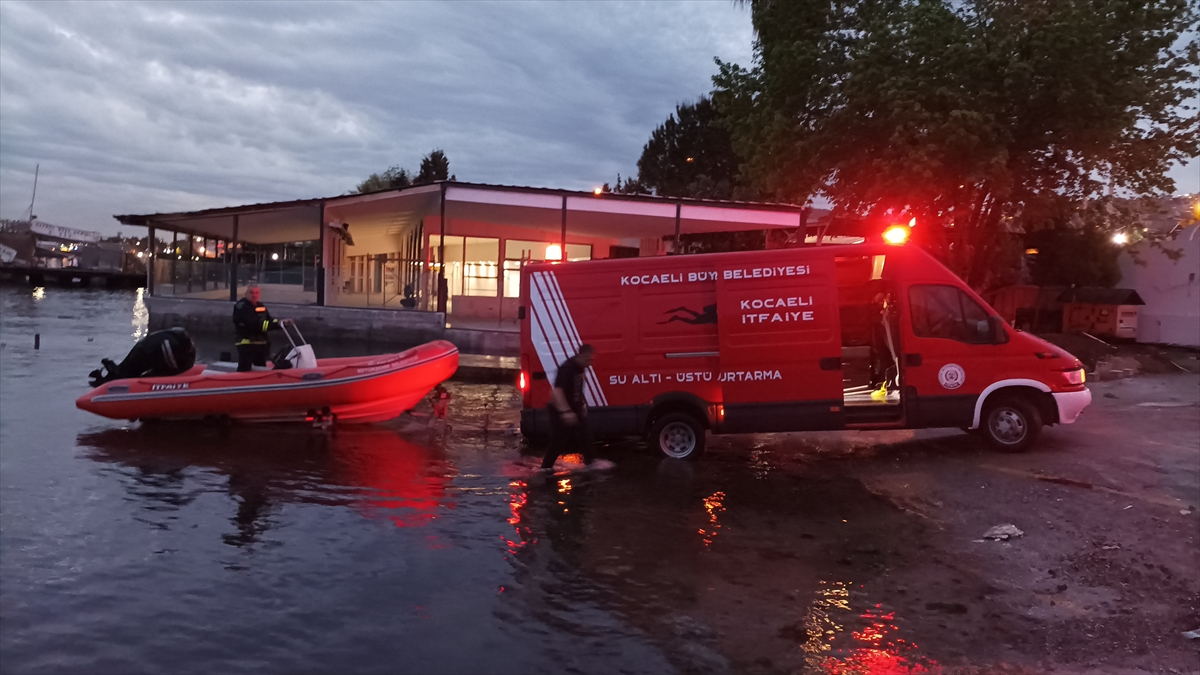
pixel 252 322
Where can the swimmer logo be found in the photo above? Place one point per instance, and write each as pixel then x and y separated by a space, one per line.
pixel 951 376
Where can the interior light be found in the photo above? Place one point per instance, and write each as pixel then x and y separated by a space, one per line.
pixel 140 254
pixel 896 235
pixel 553 252
pixel 201 249
pixel 1120 239
pixel 274 256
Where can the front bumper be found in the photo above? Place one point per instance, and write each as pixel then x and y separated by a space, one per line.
pixel 1071 403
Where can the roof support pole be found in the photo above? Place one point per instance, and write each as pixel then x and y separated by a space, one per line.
pixel 191 264
pixel 563 240
pixel 442 290
pixel 174 263
pixel 150 261
pixel 324 255
pixel 233 262
pixel 678 209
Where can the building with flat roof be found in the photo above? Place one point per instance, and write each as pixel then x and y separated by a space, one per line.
pixel 448 247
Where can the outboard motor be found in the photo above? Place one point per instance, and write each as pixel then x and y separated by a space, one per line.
pixel 160 354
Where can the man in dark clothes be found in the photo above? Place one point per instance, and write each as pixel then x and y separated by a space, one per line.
pixel 568 410
pixel 252 322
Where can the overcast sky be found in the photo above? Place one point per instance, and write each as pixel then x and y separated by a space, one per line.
pixel 149 107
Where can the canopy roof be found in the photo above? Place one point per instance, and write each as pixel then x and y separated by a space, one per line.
pixel 608 215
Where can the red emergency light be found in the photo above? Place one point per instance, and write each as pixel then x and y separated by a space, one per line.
pixel 896 234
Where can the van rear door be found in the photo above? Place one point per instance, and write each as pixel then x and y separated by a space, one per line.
pixel 780 350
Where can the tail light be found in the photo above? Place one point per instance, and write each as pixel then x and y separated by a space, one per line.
pixel 522 381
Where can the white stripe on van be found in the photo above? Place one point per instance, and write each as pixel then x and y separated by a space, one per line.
pixel 555 338
pixel 561 340
pixel 591 385
pixel 590 380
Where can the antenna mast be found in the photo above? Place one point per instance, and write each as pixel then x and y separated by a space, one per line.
pixel 32 199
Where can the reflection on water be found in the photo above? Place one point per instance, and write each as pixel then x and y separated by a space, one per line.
pixel 714 506
pixel 141 316
pixel 835 648
pixel 39 293
pixel 371 469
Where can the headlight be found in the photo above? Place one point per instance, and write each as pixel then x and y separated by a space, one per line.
pixel 1075 376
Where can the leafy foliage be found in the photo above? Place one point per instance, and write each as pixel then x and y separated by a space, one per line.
pixel 690 155
pixel 1074 247
pixel 434 167
pixel 971 115
pixel 393 177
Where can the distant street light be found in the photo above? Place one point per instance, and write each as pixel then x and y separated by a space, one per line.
pixel 1120 239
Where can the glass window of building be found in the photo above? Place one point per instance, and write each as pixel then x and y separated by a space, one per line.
pixel 472 264
pixel 516 250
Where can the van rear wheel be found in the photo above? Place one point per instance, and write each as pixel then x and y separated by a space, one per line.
pixel 1011 423
pixel 678 436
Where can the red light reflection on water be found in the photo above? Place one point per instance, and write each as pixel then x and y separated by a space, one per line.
pixel 714 506
pixel 403 481
pixel 873 648
pixel 517 500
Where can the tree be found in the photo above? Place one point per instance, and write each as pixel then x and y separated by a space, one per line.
pixel 392 178
pixel 1073 243
pixel 967 114
pixel 630 186
pixel 434 167
pixel 689 155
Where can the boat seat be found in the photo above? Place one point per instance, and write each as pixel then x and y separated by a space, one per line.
pixel 228 367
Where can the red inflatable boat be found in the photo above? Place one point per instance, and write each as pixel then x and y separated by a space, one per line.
pixel 355 390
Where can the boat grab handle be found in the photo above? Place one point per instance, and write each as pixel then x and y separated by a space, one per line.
pixel 299 339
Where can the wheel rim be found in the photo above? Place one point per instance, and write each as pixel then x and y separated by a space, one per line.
pixel 677 440
pixel 1008 426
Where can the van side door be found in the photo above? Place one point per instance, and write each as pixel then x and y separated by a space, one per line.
pixel 780 348
pixel 949 354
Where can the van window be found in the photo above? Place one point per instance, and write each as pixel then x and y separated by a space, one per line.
pixel 946 312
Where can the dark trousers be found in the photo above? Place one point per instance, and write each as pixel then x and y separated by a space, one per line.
pixel 252 355
pixel 564 436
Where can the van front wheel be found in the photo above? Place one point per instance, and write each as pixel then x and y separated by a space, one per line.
pixel 678 436
pixel 1012 423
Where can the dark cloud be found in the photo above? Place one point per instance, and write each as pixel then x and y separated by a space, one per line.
pixel 137 107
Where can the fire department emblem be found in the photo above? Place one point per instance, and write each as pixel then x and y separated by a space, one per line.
pixel 951 376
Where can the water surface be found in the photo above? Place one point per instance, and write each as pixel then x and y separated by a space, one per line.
pixel 392 548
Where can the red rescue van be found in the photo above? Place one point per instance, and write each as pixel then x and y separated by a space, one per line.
pixel 868 336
